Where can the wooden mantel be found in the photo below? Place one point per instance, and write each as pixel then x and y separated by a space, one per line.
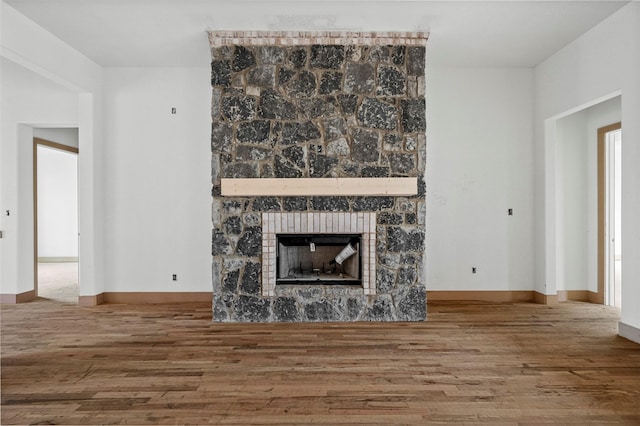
pixel 398 186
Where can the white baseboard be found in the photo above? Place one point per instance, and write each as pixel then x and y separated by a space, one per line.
pixel 629 332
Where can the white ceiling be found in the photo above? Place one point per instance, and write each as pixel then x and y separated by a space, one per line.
pixel 168 33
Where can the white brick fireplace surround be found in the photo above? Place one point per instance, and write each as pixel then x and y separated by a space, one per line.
pixel 363 223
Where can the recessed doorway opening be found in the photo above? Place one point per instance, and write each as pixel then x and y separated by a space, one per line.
pixel 609 214
pixel 56 215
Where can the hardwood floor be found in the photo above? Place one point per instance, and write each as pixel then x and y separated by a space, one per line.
pixel 522 364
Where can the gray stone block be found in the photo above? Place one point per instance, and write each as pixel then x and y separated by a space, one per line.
pixel 391 81
pixel 298 132
pixel 375 171
pixel 262 76
pixel 348 103
pixel 252 153
pixel 242 59
pixel 380 310
pixel 239 108
pixel 251 278
pixel 415 60
pixel 298 57
pixel 302 85
pixel 250 243
pixel 339 148
pixel 413 115
pixel 240 170
pixel 377 114
pixel 313 107
pixel 272 105
pixel 334 128
pixel 390 218
pixel 270 55
pixel 230 282
pixel 401 239
pixel 331 204
pixel 321 311
pixel 220 73
pixel 285 169
pixel 266 204
pixel 365 147
pixel 330 82
pixel 411 304
pixel 385 279
pixel 402 164
pixel 321 165
pixel 221 136
pixel 294 204
pixel 252 309
pixel 398 55
pixel 297 155
pixel 285 309
pixel 359 79
pixel 219 243
pixel 327 56
pixel 233 225
pixel 372 204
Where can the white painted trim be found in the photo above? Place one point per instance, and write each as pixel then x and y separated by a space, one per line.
pixel 629 332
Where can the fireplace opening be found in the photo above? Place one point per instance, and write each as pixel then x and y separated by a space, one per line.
pixel 319 259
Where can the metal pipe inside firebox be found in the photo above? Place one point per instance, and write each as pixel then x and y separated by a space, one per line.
pixel 345 253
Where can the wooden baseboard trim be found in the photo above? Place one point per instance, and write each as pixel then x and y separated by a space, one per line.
pixel 629 332
pixel 98 299
pixel 481 296
pixel 545 299
pixel 597 298
pixel 12 299
pixel 573 295
pixel 143 298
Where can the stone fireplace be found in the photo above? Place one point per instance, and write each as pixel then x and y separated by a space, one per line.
pixel 318 157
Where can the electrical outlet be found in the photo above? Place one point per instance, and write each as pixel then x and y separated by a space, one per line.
pixel 175 277
pixel 473 270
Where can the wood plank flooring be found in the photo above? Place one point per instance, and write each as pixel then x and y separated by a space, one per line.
pixel 471 363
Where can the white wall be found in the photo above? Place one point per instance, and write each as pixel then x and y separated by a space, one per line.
pixel 33 59
pixel 479 164
pixel 158 194
pixel 571 199
pixel 65 135
pixel 57 203
pixel 26 98
pixel 603 62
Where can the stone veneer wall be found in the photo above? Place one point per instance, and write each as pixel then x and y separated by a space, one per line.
pixel 333 105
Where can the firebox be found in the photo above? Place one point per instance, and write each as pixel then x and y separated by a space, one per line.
pixel 319 259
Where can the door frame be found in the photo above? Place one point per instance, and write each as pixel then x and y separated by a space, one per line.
pixel 602 209
pixel 54 145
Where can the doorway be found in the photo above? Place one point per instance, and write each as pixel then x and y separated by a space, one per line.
pixel 609 214
pixel 56 215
